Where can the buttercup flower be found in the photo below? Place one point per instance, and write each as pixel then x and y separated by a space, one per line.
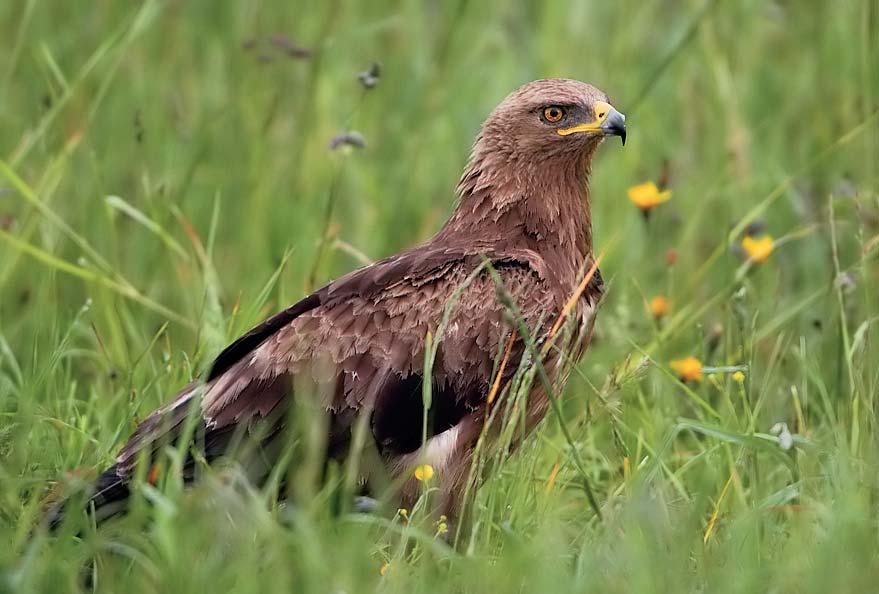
pixel 688 369
pixel 758 248
pixel 647 196
pixel 738 376
pixel 659 306
pixel 442 525
pixel 424 472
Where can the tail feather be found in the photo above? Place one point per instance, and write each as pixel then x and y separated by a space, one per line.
pixel 111 491
pixel 111 494
pixel 108 499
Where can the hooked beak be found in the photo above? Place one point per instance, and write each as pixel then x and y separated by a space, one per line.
pixel 608 122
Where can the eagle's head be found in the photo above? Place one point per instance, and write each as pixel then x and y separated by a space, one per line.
pixel 551 117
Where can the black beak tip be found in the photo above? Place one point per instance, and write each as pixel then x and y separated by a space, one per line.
pixel 615 125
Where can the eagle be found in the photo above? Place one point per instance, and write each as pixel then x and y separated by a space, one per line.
pixel 513 260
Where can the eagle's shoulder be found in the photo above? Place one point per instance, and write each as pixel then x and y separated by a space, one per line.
pixel 395 277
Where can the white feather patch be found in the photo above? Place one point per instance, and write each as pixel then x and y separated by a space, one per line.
pixel 441 447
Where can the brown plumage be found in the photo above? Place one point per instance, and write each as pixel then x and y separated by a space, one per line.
pixel 356 347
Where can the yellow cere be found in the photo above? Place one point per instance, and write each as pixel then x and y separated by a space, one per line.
pixel 647 195
pixel 688 369
pixel 758 248
pixel 601 110
pixel 424 472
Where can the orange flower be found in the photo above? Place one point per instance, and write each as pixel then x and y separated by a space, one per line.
pixel 688 369
pixel 424 472
pixel 153 476
pixel 659 306
pixel 647 196
pixel 758 248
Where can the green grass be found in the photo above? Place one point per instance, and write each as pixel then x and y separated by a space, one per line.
pixel 162 188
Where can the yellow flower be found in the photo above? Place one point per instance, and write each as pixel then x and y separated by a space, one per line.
pixel 758 248
pixel 441 525
pixel 384 568
pixel 403 513
pixel 659 306
pixel 738 376
pixel 424 472
pixel 646 196
pixel 688 369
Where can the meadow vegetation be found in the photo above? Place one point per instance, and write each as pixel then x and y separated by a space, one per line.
pixel 167 181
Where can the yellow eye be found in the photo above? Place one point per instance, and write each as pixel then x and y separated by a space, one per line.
pixel 553 114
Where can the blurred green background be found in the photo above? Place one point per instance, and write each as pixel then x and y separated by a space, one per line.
pixel 166 181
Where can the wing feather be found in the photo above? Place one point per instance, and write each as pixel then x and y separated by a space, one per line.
pixel 360 340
